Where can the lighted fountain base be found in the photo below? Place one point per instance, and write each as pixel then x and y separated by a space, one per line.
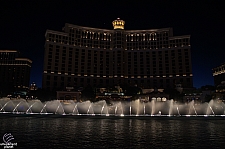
pixel 116 109
pixel 106 116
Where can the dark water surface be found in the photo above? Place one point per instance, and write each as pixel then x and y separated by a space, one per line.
pixel 72 132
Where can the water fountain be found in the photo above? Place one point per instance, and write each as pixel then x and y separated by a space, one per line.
pixel 135 108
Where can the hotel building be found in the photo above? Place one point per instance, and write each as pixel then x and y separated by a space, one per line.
pixel 151 58
pixel 219 74
pixel 14 71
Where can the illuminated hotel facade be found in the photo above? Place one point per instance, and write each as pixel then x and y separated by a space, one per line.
pixel 219 74
pixel 14 71
pixel 151 58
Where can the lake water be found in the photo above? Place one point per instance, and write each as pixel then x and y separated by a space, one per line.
pixel 85 132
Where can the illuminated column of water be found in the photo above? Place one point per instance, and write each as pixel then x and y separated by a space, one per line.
pixel 138 104
pixel 121 108
pixel 178 111
pixel 153 106
pixel 130 107
pixel 189 110
pixel 6 105
pixel 195 110
pixel 62 107
pixel 30 108
pixel 171 107
pixel 1 108
pixel 16 106
pixel 75 107
pixel 209 108
pixel 144 108
pixel 107 110
pixel 190 105
pixel 102 108
pixel 115 109
pixel 44 107
pixel 57 109
pixel 89 108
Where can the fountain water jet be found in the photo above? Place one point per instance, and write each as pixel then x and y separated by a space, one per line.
pixel 44 107
pixel 178 111
pixel 144 108
pixel 75 107
pixel 30 108
pixel 1 107
pixel 121 108
pixel 153 107
pixel 6 105
pixel 210 108
pixel 115 108
pixel 138 105
pixel 17 106
pixel 103 107
pixel 130 108
pixel 191 105
pixel 171 107
pixel 89 108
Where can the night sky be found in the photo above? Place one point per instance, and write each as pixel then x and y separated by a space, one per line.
pixel 23 25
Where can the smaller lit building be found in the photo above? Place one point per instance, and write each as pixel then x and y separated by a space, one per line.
pixel 14 71
pixel 153 94
pixel 197 97
pixel 111 94
pixel 219 74
pixel 69 94
pixel 220 92
pixel 219 81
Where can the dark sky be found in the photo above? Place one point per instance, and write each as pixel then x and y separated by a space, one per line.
pixel 23 25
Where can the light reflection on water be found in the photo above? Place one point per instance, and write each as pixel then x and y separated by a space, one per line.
pixel 31 132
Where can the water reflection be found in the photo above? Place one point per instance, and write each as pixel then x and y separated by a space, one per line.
pixel 114 133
